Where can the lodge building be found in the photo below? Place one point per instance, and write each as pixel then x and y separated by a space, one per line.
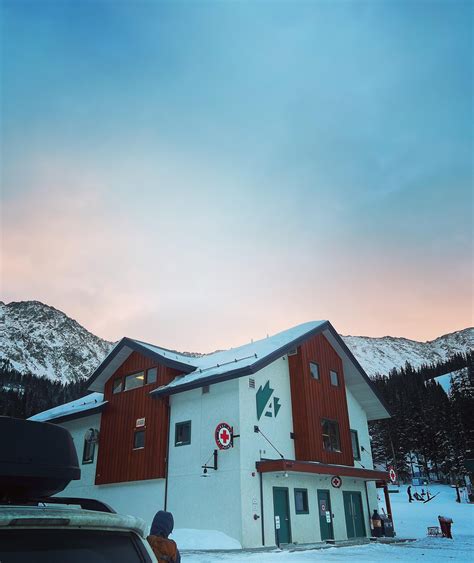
pixel 267 442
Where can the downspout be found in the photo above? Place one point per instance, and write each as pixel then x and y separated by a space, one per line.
pixel 167 454
pixel 368 508
pixel 261 508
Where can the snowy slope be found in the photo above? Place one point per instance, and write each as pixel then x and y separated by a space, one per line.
pixel 43 341
pixel 380 355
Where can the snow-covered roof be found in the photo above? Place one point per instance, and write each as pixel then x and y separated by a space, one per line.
pixel 225 361
pixel 196 371
pixel 82 406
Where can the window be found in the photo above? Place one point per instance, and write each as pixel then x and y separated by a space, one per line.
pixel 89 448
pixel 182 435
pixel 334 378
pixel 331 441
pixel 355 445
pixel 301 501
pixel 139 439
pixel 134 380
pixel 152 375
pixel 314 369
pixel 117 387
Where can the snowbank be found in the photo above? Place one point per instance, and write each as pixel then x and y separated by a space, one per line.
pixel 187 538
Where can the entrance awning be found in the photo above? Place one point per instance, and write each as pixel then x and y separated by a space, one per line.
pixel 282 465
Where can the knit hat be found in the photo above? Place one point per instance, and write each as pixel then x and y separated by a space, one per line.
pixel 163 524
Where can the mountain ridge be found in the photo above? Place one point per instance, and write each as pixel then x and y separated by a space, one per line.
pixel 42 340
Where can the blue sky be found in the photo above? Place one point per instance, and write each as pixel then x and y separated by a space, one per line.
pixel 253 164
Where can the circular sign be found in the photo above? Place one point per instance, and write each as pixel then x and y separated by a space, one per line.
pixel 392 475
pixel 336 482
pixel 223 436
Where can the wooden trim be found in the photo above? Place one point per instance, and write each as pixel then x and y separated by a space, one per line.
pixel 281 465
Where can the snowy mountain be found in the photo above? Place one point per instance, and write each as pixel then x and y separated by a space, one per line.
pixel 380 355
pixel 41 340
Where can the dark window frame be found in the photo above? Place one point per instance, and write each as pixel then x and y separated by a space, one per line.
pixel 331 372
pixel 148 382
pixel 88 445
pixel 116 389
pixel 141 432
pixel 134 374
pixel 317 369
pixel 305 509
pixel 333 447
pixel 183 424
pixel 356 434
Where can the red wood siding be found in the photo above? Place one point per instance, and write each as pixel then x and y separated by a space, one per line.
pixel 117 460
pixel 314 399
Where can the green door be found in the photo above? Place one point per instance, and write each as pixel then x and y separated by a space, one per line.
pixel 281 507
pixel 325 515
pixel 354 514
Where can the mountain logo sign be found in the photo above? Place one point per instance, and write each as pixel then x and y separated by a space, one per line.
pixel 266 402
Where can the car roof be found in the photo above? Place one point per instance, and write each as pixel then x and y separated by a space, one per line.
pixel 67 518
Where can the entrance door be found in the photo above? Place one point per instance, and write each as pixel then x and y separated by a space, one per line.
pixel 354 514
pixel 281 507
pixel 325 515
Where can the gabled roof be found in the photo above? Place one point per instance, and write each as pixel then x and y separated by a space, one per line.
pixel 250 358
pixel 207 369
pixel 122 351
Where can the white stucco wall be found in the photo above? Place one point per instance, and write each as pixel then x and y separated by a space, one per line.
pixel 211 502
pixel 138 498
pixel 255 447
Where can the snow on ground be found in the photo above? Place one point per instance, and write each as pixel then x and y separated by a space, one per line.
pixel 411 521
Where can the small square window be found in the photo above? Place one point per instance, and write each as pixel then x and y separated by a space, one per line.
pixel 135 380
pixel 152 375
pixel 301 501
pixel 334 378
pixel 314 369
pixel 117 386
pixel 182 435
pixel 355 445
pixel 139 439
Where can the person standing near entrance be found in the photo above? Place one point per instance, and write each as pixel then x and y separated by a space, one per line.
pixel 165 550
pixel 410 498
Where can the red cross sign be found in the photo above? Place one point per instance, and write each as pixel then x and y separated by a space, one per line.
pixel 336 482
pixel 223 436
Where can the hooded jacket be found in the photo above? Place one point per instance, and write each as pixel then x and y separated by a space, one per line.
pixel 164 548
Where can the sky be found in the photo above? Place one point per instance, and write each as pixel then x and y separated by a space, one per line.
pixel 200 174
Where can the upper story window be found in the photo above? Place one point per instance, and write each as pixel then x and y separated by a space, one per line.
pixel 117 385
pixel 152 375
pixel 182 435
pixel 139 439
pixel 331 440
pixel 134 380
pixel 334 378
pixel 355 445
pixel 90 440
pixel 314 370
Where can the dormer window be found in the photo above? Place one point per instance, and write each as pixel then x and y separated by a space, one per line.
pixel 135 380
pixel 334 378
pixel 314 370
pixel 117 385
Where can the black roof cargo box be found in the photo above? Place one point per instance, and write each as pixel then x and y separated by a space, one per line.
pixel 37 459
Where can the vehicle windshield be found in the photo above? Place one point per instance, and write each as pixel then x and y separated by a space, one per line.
pixel 70 546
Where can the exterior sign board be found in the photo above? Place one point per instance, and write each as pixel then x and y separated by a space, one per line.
pixel 328 516
pixel 223 436
pixel 393 475
pixel 336 482
pixel 277 522
pixel 140 423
